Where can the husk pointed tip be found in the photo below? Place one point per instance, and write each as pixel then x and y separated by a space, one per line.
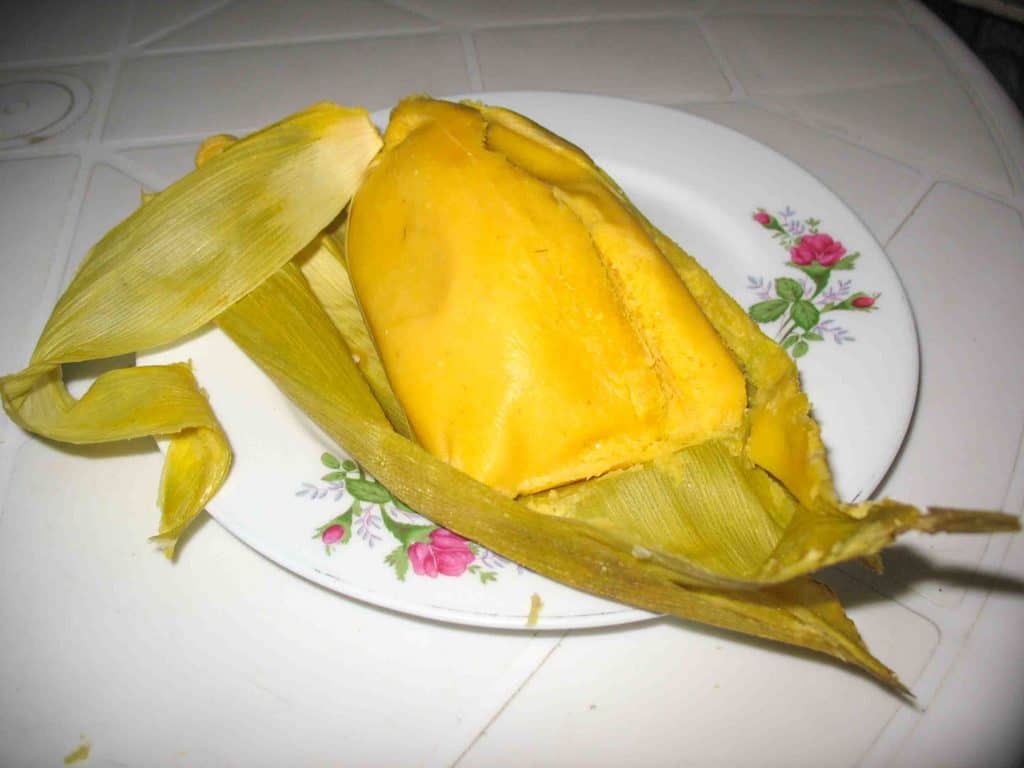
pixel 167 544
pixel 897 686
pixel 953 520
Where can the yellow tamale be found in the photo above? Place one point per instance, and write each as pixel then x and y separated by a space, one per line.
pixel 534 335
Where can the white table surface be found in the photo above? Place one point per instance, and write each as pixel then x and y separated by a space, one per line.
pixel 225 659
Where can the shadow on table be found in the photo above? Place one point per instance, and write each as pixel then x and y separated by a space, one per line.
pixel 905 567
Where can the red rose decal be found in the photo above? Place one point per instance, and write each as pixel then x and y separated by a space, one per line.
pixel 445 553
pixel 799 310
pixel 820 248
pixel 332 534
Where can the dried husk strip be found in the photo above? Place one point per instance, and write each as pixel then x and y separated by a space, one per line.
pixel 172 266
pixel 285 330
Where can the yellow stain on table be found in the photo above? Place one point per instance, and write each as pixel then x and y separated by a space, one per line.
pixel 79 754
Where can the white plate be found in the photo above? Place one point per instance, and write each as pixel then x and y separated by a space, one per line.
pixel 700 183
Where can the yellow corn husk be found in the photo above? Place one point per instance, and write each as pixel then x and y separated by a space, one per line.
pixel 171 267
pixel 712 516
pixel 282 326
pixel 324 268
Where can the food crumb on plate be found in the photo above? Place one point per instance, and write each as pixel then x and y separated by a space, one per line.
pixel 535 605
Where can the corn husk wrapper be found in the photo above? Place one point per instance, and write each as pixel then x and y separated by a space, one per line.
pixel 215 246
pixel 174 265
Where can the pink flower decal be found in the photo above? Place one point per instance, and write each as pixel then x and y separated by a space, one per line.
pixel 332 534
pixel 445 553
pixel 799 308
pixel 820 248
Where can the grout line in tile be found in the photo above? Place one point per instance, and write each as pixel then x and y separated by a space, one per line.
pixel 143 177
pixel 793 117
pixel 906 717
pixel 1014 172
pixel 104 94
pixel 154 142
pixel 805 14
pixel 920 164
pixel 929 176
pixel 1013 502
pixel 980 104
pixel 12 438
pixel 89 152
pixel 928 183
pixel 43 149
pixel 987 95
pixel 1015 203
pixel 685 106
pixel 60 252
pixel 62 261
pixel 419 12
pixel 174 27
pixel 340 37
pixel 957 626
pixel 580 18
pixel 469 51
pixel 827 90
pixel 173 139
pixel 954 641
pixel 85 151
pixel 511 697
pixel 735 85
pixel 54 61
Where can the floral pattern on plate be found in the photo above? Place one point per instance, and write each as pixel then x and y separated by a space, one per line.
pixel 374 516
pixel 796 306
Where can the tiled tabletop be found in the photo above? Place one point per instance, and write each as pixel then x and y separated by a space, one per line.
pixel 225 659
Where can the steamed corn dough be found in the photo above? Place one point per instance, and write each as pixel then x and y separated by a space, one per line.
pixel 503 340
pixel 562 344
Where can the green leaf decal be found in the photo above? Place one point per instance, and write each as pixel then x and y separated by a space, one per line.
pixel 398 559
pixel 817 273
pixel 789 289
pixel 805 315
pixel 333 477
pixel 330 461
pixel 800 348
pixel 367 490
pixel 767 311
pixel 848 261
